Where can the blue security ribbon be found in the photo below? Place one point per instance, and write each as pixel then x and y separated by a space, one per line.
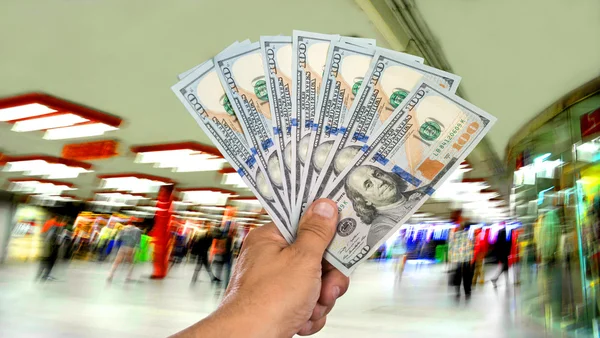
pixel 429 191
pixel 266 144
pixel 360 137
pixel 276 131
pixel 251 161
pixel 380 158
pixel 364 148
pixel 406 176
pixel 253 151
pixel 241 172
pixel 332 130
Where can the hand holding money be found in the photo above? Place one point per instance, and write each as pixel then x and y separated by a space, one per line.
pixel 278 289
pixel 325 116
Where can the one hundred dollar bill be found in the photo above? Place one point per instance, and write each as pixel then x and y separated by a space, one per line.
pixel 416 150
pixel 242 74
pixel 277 61
pixel 309 54
pixel 203 96
pixel 390 78
pixel 344 70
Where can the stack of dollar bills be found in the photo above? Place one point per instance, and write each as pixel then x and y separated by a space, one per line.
pixel 312 116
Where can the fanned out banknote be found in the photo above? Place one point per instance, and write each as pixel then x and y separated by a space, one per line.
pixel 204 97
pixel 419 146
pixel 277 62
pixel 242 74
pixel 389 79
pixel 316 115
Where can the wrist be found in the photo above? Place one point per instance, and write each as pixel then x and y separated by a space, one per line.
pixel 242 320
pixel 230 321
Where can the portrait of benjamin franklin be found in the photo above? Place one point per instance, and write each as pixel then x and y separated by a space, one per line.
pixel 379 199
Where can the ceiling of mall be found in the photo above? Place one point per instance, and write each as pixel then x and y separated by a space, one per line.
pixel 516 57
pixel 122 57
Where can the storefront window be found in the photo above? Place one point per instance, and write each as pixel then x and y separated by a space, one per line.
pixel 556 196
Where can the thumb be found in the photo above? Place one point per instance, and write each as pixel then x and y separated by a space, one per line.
pixel 317 227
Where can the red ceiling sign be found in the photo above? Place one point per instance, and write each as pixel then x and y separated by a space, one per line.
pixel 590 123
pixel 86 151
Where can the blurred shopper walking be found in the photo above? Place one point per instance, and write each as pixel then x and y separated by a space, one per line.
pixel 502 252
pixel 200 249
pixel 51 249
pixel 461 254
pixel 226 256
pixel 130 240
pixel 481 249
pixel 399 252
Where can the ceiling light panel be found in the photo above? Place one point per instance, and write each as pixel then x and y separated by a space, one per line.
pixel 83 130
pixel 43 187
pixel 46 166
pixel 60 119
pixel 24 111
pixel 43 123
pixel 132 184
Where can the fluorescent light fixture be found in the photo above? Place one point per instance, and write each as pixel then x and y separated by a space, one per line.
pixel 37 187
pixel 84 130
pixel 56 198
pixel 149 208
pixel 234 179
pixel 139 213
pixel 212 208
pixel 589 147
pixel 132 184
pixel 110 203
pixel 190 213
pixel 247 213
pixel 24 111
pixel 49 122
pixel 118 195
pixel 182 160
pixel 205 197
pixel 45 169
pixel 182 203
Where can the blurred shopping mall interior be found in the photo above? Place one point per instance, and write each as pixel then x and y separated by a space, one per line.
pixel 93 141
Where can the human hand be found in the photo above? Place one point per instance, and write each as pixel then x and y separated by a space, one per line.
pixel 278 289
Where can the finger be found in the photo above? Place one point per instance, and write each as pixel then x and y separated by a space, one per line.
pixel 312 327
pixel 317 227
pixel 319 312
pixel 334 285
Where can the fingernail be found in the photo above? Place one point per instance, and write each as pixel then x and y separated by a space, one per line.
pixel 336 292
pixel 324 209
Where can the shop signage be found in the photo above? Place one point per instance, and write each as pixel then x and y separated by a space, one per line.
pixel 87 151
pixel 590 123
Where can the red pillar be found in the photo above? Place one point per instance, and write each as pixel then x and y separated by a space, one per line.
pixel 160 232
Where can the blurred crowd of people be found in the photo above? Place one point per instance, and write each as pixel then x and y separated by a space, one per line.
pixel 212 248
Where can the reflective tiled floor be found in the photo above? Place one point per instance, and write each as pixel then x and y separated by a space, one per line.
pixel 81 304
